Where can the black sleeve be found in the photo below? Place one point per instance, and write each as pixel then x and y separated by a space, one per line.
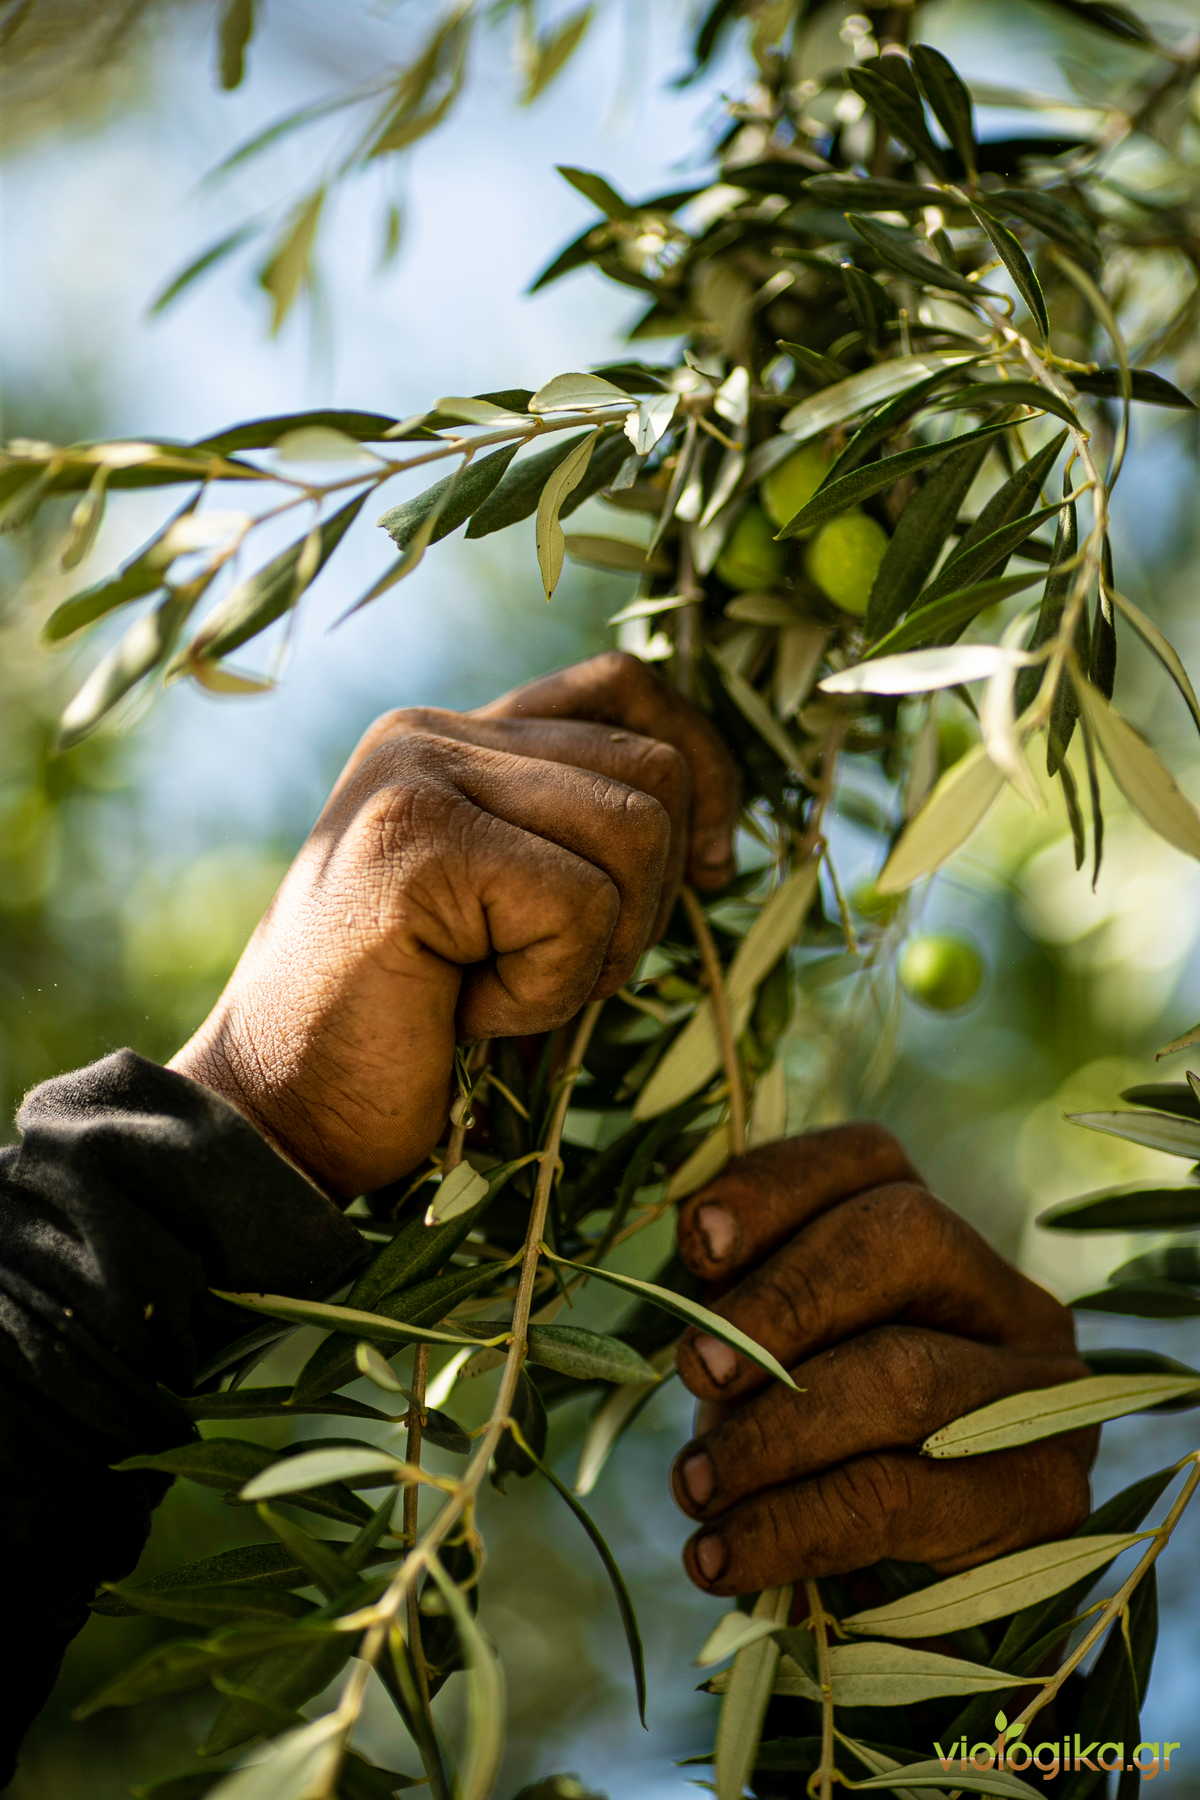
pixel 132 1192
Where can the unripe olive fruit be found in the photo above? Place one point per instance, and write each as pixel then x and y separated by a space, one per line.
pixel 869 903
pixel 792 483
pixel 844 556
pixel 942 972
pixel 751 558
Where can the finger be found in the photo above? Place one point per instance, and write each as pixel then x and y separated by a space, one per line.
pixel 949 1515
pixel 644 763
pixel 762 1198
pixel 893 1254
pixel 619 690
pixel 885 1390
pixel 619 829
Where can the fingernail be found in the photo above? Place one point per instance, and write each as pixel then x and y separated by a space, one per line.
pixel 711 1555
pixel 718 1229
pixel 697 1478
pixel 720 1362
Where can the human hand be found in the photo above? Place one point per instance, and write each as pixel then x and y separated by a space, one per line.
pixel 473 875
pixel 894 1317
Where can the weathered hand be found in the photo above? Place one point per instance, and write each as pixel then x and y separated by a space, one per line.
pixel 472 875
pixel 894 1316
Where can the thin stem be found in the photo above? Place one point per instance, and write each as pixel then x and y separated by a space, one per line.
pixel 718 996
pixel 383 1613
pixel 826 1771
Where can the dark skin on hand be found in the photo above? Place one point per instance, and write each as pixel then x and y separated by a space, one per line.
pixel 487 874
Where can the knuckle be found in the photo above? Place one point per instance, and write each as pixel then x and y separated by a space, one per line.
pixel 873 1488
pixel 665 770
pixel 620 671
pixel 789 1299
pixel 646 823
pixel 909 1371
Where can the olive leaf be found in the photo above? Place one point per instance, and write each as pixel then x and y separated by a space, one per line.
pixel 993 1590
pixel 744 1705
pixel 1067 1406
pixel 958 803
pixel 551 543
pixel 690 1311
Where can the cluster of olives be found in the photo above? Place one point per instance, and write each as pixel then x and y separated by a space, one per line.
pixel 841 556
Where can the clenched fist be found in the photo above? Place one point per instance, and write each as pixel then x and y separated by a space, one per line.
pixel 473 875
pixel 893 1316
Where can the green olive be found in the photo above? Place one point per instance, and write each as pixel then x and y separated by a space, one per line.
pixel 869 903
pixel 792 483
pixel 942 972
pixel 752 558
pixel 844 557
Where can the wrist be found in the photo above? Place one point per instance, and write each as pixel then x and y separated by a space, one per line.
pixel 214 1058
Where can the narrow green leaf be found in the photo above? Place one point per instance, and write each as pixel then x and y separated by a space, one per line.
pixel 1011 393
pixel 888 89
pixel 690 1311
pixel 921 671
pixel 516 496
pixel 694 1057
pixel 958 803
pixel 227 1464
pixel 175 1667
pixel 200 265
pixel 1166 1096
pixel 1009 249
pixel 1158 1131
pixel 1142 1300
pixel 289 265
pixel 600 192
pixel 274 589
pixel 323 1563
pixel 362 1466
pixel 1142 778
pixel 1068 1406
pixel 552 52
pixel 586 1355
pixel 979 550
pixel 234 34
pixel 612 1569
pixel 340 1318
pixel 1165 651
pixel 894 1675
pixel 943 618
pixel 851 490
pixel 994 1589
pixel 950 100
pixel 485 1696
pixel 744 1706
pixel 936 1774
pixel 1059 583
pixel 210 1606
pixel 869 193
pixel 272 1403
pixel 919 536
pixel 1144 384
pixel 894 248
pixel 453 499
pixel 844 399
pixel 1127 1209
pixel 297 1766
pixel 248 1568
pixel 458 1192
pixel 551 543
pixel 145 647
